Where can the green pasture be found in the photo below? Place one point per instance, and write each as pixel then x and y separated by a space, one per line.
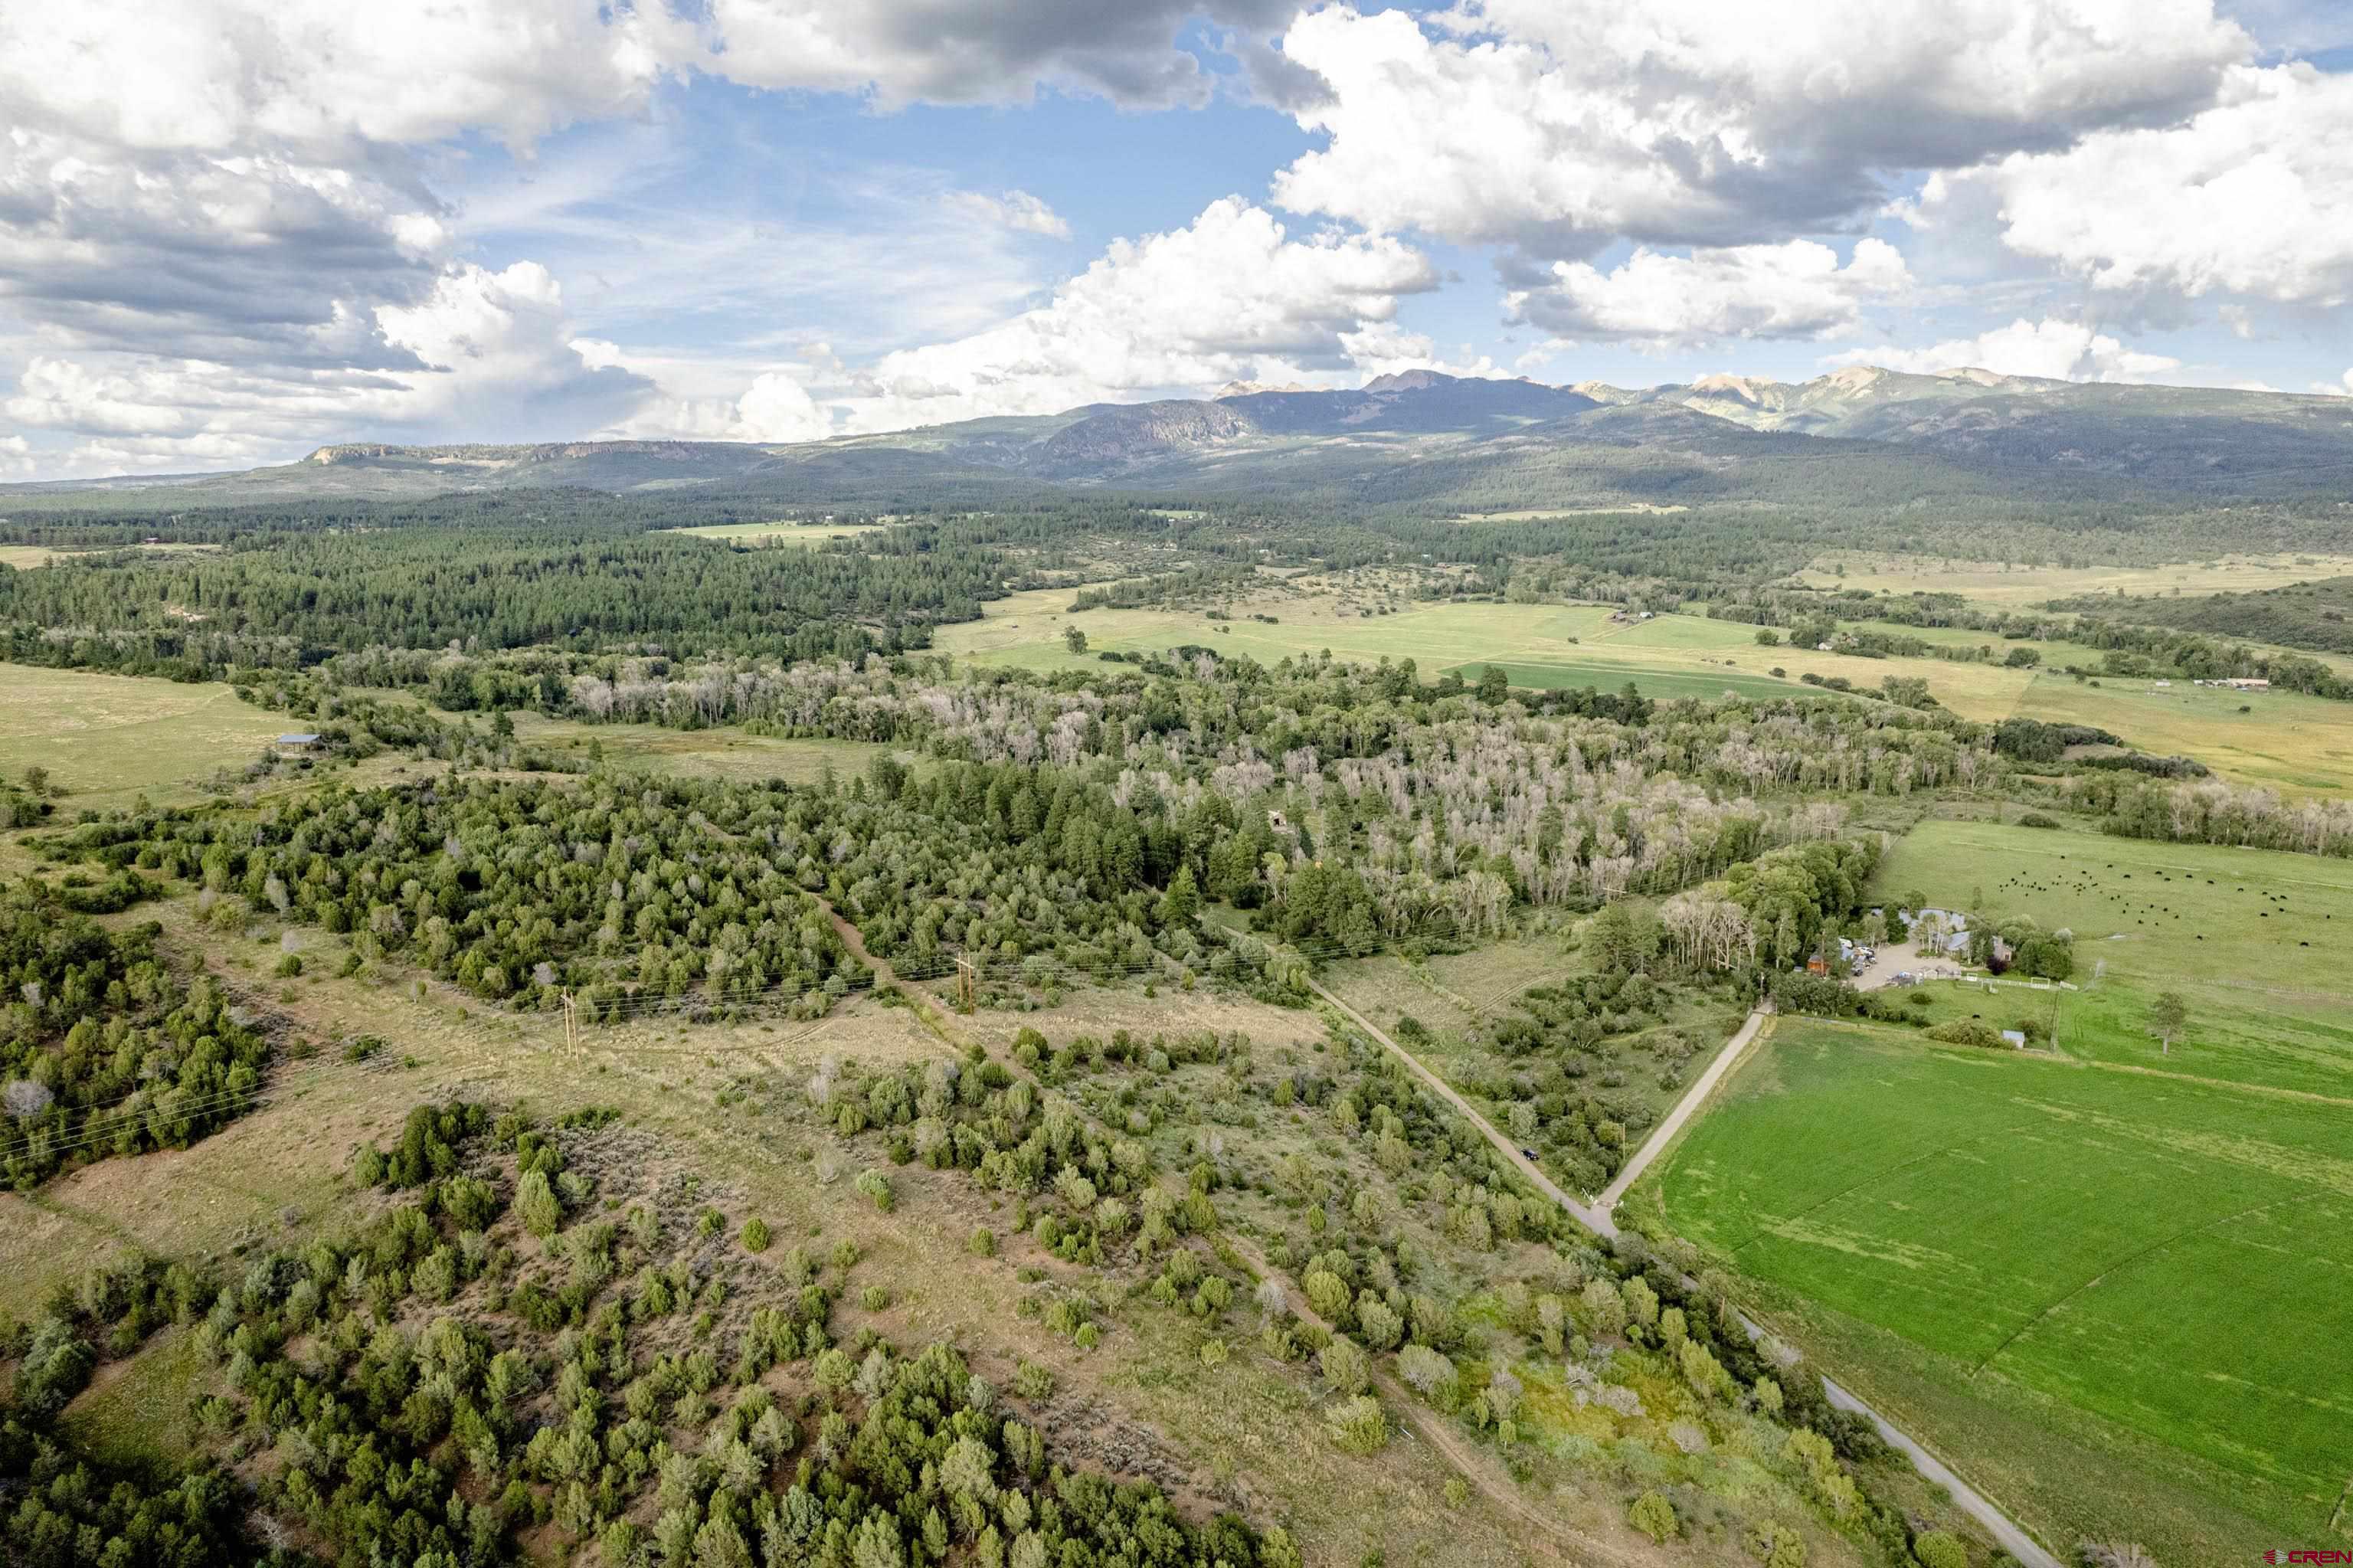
pixel 2234 922
pixel 2159 1263
pixel 1610 676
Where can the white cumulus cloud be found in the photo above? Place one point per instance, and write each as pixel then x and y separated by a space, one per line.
pixel 492 356
pixel 1795 290
pixel 231 73
pixel 1231 296
pixel 2055 350
pixel 1556 124
pixel 2251 196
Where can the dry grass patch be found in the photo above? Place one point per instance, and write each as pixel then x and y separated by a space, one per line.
pixel 110 739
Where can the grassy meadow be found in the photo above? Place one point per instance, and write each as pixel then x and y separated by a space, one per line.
pixel 109 739
pixel 723 751
pixel 2286 741
pixel 1541 646
pixel 2145 913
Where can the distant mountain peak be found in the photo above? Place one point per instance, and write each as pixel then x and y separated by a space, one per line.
pixel 1409 381
pixel 1855 377
pixel 1748 388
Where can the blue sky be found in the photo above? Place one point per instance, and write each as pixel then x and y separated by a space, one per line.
pixel 230 232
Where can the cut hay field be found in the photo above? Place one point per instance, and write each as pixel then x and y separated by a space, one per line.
pixel 2117 1302
pixel 2007 586
pixel 110 739
pixel 779 532
pixel 1542 646
pixel 2286 741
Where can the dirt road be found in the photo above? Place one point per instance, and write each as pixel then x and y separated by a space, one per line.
pixel 1597 1219
pixel 1664 1133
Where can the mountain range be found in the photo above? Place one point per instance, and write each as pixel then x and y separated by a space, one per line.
pixel 1860 435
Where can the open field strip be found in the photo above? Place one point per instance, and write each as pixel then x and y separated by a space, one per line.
pixel 25 558
pixel 1539 514
pixel 721 751
pixel 2286 740
pixel 2018 586
pixel 779 532
pixel 1541 646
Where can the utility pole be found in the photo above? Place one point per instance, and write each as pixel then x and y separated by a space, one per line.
pixel 571 1027
pixel 967 985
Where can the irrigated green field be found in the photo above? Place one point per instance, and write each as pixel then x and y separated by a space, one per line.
pixel 2107 1279
pixel 2170 1257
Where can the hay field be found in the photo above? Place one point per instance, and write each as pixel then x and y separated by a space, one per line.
pixel 2009 586
pixel 2288 741
pixel 779 532
pixel 2157 1265
pixel 110 739
pixel 1542 646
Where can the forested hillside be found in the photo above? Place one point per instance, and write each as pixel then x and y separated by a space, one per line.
pixel 2308 615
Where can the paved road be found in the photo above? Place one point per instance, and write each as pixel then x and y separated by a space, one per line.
pixel 1597 1219
pixel 1979 1507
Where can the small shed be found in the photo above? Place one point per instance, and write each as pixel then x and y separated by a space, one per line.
pixel 2014 1037
pixel 301 742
